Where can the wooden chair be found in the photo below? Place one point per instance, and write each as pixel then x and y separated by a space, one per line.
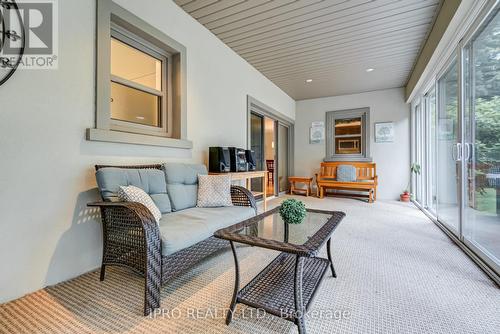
pixel 270 171
pixel 366 179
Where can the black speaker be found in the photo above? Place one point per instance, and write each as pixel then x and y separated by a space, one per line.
pixel 219 160
pixel 238 159
pixel 251 162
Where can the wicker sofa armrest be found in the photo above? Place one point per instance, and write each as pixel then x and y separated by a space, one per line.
pixel 132 239
pixel 243 197
pixel 128 213
pixel 129 231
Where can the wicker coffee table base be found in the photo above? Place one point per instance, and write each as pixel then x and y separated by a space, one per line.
pixel 285 288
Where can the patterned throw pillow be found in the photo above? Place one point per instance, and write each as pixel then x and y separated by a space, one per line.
pixel 135 194
pixel 214 191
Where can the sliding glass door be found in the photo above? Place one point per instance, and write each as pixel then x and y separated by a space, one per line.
pixel 257 145
pixel 456 140
pixel 418 159
pixel 481 58
pixel 270 139
pixel 283 150
pixel 431 150
pixel 448 149
pixel 425 151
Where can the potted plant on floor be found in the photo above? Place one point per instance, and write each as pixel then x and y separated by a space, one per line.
pixel 292 211
pixel 406 195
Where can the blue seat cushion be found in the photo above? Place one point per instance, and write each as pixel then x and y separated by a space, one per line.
pixel 181 229
pixel 346 173
pixel 182 184
pixel 152 181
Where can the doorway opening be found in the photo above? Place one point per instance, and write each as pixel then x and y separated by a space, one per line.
pixel 270 153
pixel 270 139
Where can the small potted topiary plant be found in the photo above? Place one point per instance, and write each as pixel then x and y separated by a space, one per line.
pixel 292 211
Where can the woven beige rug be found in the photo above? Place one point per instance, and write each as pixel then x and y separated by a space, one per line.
pixel 397 273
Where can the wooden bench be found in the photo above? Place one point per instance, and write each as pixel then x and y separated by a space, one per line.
pixel 366 179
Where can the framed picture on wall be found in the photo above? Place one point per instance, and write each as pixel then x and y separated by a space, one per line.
pixel 384 132
pixel 317 132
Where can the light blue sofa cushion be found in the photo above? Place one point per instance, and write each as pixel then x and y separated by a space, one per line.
pixel 152 181
pixel 182 184
pixel 346 173
pixel 162 201
pixel 185 228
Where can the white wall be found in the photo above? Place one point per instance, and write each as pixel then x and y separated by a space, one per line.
pixel 46 165
pixel 393 159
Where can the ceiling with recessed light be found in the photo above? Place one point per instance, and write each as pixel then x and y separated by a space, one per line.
pixel 344 46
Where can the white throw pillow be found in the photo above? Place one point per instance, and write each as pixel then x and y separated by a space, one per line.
pixel 214 191
pixel 135 194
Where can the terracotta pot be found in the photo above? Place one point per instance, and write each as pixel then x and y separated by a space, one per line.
pixel 405 197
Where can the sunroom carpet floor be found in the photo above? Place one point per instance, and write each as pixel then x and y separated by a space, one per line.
pixel 397 273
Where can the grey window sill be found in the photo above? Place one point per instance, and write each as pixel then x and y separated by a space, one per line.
pixel 137 139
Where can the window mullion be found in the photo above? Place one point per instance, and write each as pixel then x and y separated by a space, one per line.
pixel 135 85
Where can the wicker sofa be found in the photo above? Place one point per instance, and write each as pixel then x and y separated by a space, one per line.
pixel 184 235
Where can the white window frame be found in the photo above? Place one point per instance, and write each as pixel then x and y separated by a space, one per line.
pixel 165 94
pixel 430 154
pixel 417 180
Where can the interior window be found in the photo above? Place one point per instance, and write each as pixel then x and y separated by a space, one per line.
pixel 348 136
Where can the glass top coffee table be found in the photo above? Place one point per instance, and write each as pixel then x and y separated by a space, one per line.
pixel 286 287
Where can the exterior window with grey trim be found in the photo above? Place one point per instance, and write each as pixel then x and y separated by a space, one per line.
pixel 140 82
pixel 140 85
pixel 347 133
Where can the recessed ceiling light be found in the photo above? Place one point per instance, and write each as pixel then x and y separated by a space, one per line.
pixel 370 69
pixel 140 117
pixel 309 80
